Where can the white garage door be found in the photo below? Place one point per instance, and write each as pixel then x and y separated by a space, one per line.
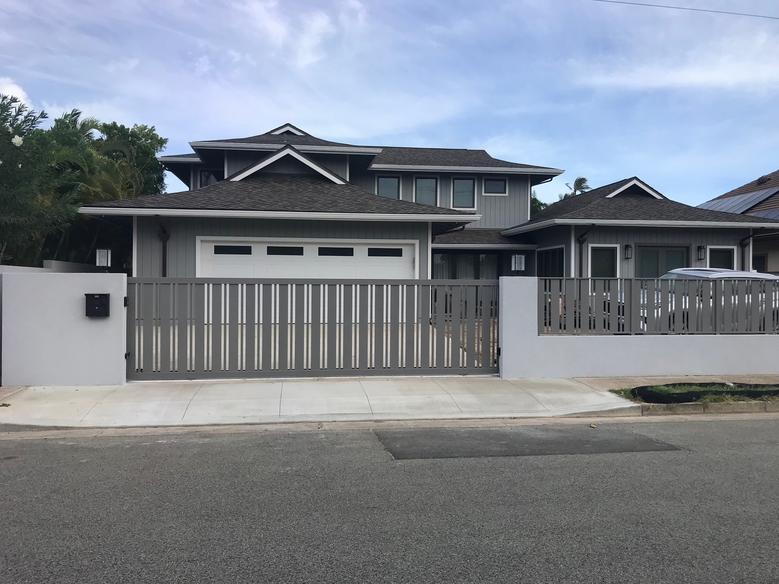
pixel 227 258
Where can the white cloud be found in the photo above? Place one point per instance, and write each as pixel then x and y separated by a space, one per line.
pixel 124 65
pixel 202 65
pixel 9 87
pixel 316 29
pixel 266 19
pixel 726 57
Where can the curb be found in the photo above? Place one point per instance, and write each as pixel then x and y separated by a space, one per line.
pixel 685 409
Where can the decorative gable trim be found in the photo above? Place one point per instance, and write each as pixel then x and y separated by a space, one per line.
pixel 288 151
pixel 288 128
pixel 640 184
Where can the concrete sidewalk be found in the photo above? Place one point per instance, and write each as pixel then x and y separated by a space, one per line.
pixel 262 401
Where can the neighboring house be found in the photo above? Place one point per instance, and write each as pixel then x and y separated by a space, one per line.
pixel 759 198
pixel 285 204
pixel 627 229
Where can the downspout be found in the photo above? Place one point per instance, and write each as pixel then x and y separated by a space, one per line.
pixel 744 244
pixel 581 241
pixel 164 236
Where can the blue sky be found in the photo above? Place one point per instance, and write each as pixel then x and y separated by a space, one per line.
pixel 687 101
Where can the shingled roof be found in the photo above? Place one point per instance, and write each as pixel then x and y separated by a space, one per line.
pixel 629 201
pixel 280 193
pixel 443 157
pixel 767 181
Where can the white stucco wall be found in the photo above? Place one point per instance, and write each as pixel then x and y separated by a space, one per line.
pixel 525 353
pixel 47 339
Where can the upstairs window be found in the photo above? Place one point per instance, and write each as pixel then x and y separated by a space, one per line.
pixel 388 186
pixel 426 190
pixel 463 193
pixel 495 186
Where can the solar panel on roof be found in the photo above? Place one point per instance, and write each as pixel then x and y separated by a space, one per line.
pixel 739 203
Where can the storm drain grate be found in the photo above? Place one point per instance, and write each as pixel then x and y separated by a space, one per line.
pixel 490 442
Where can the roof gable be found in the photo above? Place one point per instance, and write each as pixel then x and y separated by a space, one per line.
pixel 633 186
pixel 280 154
pixel 287 129
pixel 627 202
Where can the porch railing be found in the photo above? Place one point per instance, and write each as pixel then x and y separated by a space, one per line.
pixel 580 306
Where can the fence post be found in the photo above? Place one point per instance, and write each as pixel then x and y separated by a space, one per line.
pixel 716 298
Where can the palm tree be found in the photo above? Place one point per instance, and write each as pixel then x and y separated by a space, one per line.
pixel 579 186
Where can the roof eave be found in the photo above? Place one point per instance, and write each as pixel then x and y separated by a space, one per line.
pixel 297 215
pixel 481 169
pixel 527 228
pixel 302 147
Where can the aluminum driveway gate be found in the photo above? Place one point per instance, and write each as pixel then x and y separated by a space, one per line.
pixel 199 328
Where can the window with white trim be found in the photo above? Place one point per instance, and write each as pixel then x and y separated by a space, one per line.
pixel 388 186
pixel 518 262
pixel 495 186
pixel 463 193
pixel 722 257
pixel 426 190
pixel 604 261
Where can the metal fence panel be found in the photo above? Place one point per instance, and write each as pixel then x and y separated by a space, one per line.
pixel 192 328
pixel 581 306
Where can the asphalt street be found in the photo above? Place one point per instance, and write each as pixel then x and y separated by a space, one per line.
pixel 691 501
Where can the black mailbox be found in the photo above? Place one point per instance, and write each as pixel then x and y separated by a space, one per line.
pixel 98 304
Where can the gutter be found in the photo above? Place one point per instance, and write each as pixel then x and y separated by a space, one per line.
pixel 525 228
pixel 228 213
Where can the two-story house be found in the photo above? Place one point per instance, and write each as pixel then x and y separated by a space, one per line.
pixel 285 204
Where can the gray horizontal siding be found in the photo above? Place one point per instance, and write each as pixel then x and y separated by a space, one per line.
pixel 183 233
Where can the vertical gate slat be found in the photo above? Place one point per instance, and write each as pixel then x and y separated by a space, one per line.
pixel 316 326
pixel 232 345
pixel 485 309
pixel 756 306
pixel 378 324
pixel 148 294
pixel 132 330
pixel 184 342
pixel 332 328
pixel 409 343
pixel 347 328
pixel 439 316
pixel 394 326
pixel 363 328
pixel 266 328
pixel 424 294
pixel 569 305
pixel 166 314
pixel 283 327
pixel 456 344
pixel 217 305
pixel 299 327
pixel 469 327
pixel 552 298
pixel 198 326
pixel 250 332
pixel 741 299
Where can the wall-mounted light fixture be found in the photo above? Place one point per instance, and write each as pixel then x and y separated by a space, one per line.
pixel 701 253
pixel 628 252
pixel 103 258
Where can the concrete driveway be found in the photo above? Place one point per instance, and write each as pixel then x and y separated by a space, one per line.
pixel 253 401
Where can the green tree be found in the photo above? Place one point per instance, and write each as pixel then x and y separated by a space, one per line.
pixel 536 204
pixel 578 187
pixel 46 174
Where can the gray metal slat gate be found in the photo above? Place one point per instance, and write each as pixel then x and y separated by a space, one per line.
pixel 199 328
